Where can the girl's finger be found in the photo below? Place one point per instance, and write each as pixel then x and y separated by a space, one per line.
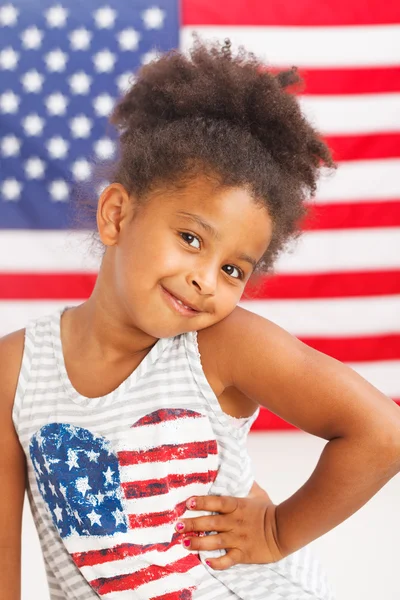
pixel 232 557
pixel 220 504
pixel 206 523
pixel 209 542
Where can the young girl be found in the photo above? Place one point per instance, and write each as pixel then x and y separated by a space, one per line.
pixel 127 416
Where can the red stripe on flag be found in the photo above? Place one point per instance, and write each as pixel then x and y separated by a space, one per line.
pixel 364 147
pixel 276 12
pixel 181 595
pixel 324 285
pixel 166 414
pixel 162 485
pixel 353 215
pixel 168 452
pixel 269 421
pixel 131 581
pixel 331 81
pixel 358 349
pixel 98 557
pixel 46 286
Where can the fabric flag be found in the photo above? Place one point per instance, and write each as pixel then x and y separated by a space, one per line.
pixel 63 64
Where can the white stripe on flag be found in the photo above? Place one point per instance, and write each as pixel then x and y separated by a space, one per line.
pixel 348 46
pixel 315 251
pixel 333 317
pixel 352 114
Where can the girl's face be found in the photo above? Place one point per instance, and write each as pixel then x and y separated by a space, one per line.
pixel 199 244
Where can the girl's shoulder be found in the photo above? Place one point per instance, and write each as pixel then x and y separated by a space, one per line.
pixel 213 343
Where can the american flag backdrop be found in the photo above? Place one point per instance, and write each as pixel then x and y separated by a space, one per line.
pixel 63 64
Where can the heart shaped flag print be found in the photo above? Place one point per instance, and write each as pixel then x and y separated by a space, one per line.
pixel 115 504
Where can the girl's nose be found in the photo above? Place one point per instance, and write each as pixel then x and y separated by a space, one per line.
pixel 205 282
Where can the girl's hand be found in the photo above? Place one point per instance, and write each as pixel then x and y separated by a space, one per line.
pixel 245 527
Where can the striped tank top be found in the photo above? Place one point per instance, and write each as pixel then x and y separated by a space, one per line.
pixel 108 478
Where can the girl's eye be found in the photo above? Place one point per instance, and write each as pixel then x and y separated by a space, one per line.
pixel 189 237
pixel 240 274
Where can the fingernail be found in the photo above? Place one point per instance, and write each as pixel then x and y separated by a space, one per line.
pixel 186 543
pixel 180 526
pixel 208 563
pixel 192 503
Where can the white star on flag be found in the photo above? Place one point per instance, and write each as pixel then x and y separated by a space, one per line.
pixel 153 18
pixel 128 39
pixel 80 83
pixel 8 15
pixel 8 59
pixel 33 125
pixel 104 61
pixel 56 60
pixel 80 39
pixel 94 517
pixel 35 168
pixel 10 145
pixel 82 485
pixel 32 38
pixel 105 17
pixel 81 170
pixel 9 102
pixel 56 16
pixel 103 105
pixel 32 81
pixel 80 126
pixel 57 147
pixel 59 191
pixel 56 104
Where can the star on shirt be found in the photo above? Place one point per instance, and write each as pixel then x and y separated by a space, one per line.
pixel 94 517
pixel 72 456
pixel 58 513
pixel 82 485
pixel 108 475
pixel 118 516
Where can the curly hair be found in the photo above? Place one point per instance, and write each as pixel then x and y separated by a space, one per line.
pixel 229 116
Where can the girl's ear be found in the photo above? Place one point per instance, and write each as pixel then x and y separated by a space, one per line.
pixel 113 210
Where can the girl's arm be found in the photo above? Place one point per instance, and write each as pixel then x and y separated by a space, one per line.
pixel 324 397
pixel 12 471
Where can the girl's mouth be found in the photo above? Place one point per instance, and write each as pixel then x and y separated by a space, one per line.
pixel 180 308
